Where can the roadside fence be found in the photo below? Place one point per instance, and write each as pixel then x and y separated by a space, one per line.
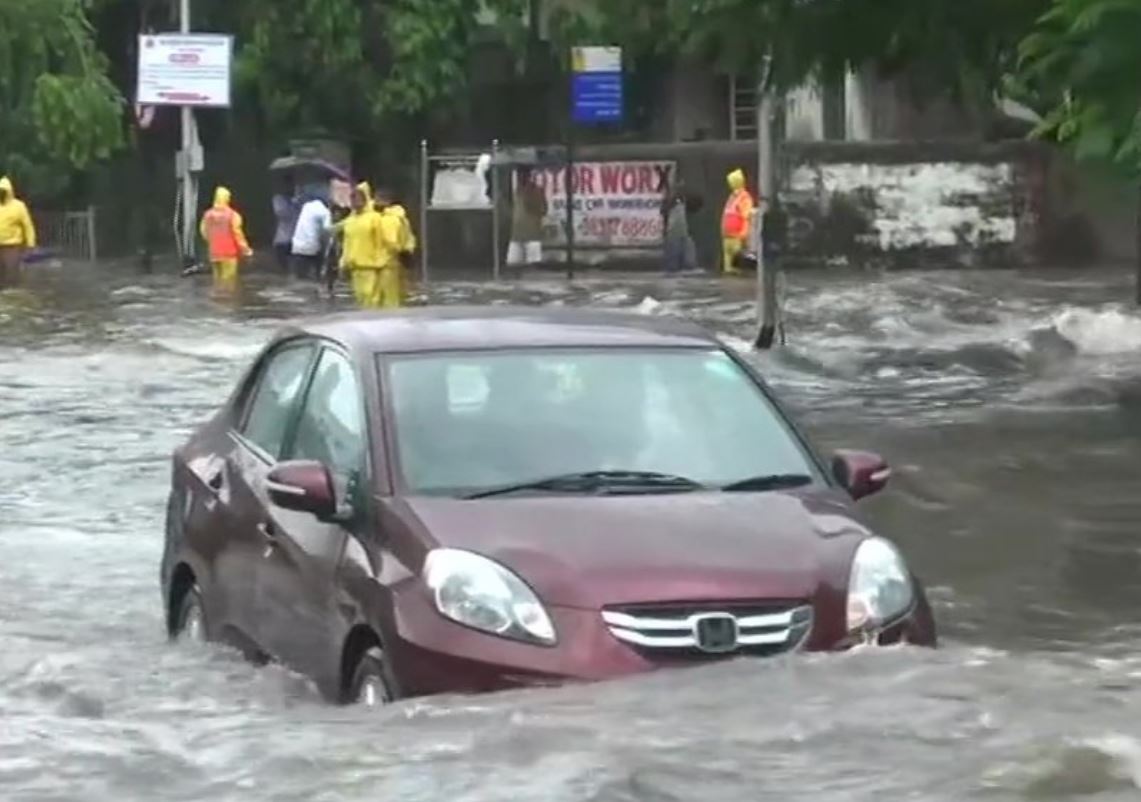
pixel 68 234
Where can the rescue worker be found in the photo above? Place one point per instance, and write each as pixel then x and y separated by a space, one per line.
pixel 365 188
pixel 735 221
pixel 362 251
pixel 17 234
pixel 399 232
pixel 225 237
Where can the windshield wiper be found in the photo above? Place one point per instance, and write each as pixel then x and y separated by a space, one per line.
pixel 598 482
pixel 774 481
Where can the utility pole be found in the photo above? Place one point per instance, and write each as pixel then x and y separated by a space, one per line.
pixel 1137 237
pixel 188 163
pixel 768 300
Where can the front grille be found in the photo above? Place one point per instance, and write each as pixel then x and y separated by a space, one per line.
pixel 708 630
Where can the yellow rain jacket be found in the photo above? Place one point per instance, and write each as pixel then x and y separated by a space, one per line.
pixel 363 244
pixel 369 200
pixel 398 231
pixel 16 227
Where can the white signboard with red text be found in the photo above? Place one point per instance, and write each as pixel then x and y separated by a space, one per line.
pixel 189 69
pixel 617 203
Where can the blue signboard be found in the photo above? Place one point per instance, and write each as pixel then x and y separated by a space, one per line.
pixel 597 97
pixel 596 85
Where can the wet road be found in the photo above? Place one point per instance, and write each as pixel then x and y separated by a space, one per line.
pixel 1010 406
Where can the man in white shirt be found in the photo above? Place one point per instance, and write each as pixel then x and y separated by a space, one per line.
pixel 310 237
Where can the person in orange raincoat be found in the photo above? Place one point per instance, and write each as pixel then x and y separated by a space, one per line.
pixel 225 236
pixel 735 221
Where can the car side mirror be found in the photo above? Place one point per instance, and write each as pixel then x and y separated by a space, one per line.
pixel 303 486
pixel 861 473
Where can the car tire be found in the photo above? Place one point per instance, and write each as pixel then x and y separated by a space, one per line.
pixel 372 684
pixel 190 623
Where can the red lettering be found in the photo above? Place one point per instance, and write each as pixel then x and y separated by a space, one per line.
pixel 610 173
pixel 586 180
pixel 629 180
pixel 645 180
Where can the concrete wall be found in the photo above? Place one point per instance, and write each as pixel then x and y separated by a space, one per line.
pixel 875 205
pixel 916 205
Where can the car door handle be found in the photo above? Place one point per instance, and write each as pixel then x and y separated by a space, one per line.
pixel 268 530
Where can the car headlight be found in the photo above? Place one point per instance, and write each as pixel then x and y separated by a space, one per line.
pixel 480 593
pixel 879 590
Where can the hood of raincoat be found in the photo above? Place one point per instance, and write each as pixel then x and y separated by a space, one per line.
pixel 364 187
pixel 736 180
pixel 6 186
pixel 396 210
pixel 222 197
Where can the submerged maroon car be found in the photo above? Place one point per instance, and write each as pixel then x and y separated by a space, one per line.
pixel 460 500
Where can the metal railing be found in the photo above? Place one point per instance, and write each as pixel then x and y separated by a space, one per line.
pixel 68 234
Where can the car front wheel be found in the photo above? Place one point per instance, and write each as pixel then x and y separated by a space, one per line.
pixel 372 683
pixel 190 625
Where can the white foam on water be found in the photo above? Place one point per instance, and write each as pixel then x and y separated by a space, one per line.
pixel 1099 332
pixel 650 306
pixel 207 349
pixel 1125 751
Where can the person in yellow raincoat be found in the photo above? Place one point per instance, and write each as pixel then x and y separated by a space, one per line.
pixel 735 221
pixel 399 237
pixel 225 236
pixel 363 252
pixel 17 233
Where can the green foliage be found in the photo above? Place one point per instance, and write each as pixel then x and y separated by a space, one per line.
pixel 1079 67
pixel 58 110
pixel 953 47
pixel 352 66
pixel 429 42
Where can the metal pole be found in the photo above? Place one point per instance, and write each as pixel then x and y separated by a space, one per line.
pixel 92 245
pixel 495 204
pixel 425 199
pixel 570 202
pixel 189 138
pixel 1137 288
pixel 569 176
pixel 768 301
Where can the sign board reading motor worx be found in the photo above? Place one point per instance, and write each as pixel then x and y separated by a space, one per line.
pixel 596 85
pixel 617 203
pixel 187 69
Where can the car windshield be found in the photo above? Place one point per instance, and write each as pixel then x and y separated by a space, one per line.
pixel 471 422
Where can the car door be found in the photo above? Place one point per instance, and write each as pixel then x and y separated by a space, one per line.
pixel 296 579
pixel 259 439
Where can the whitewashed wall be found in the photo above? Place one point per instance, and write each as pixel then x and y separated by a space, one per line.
pixel 933 205
pixel 911 205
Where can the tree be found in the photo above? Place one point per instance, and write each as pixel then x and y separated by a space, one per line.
pixel 59 112
pixel 1079 68
pixel 960 48
pixel 356 66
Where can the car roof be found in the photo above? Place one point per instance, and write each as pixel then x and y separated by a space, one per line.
pixel 457 328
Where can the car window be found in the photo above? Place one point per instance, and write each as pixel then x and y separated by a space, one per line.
pixel 331 429
pixel 475 420
pixel 275 398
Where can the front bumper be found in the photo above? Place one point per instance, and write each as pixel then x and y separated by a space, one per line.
pixel 431 654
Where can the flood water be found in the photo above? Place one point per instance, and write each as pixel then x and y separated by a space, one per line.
pixel 1009 404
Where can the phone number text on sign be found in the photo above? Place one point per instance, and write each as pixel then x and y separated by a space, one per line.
pixel 617 204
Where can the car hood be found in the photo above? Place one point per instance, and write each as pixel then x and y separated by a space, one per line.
pixel 593 551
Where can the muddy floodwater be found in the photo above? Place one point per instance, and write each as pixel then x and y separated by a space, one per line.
pixel 1009 404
